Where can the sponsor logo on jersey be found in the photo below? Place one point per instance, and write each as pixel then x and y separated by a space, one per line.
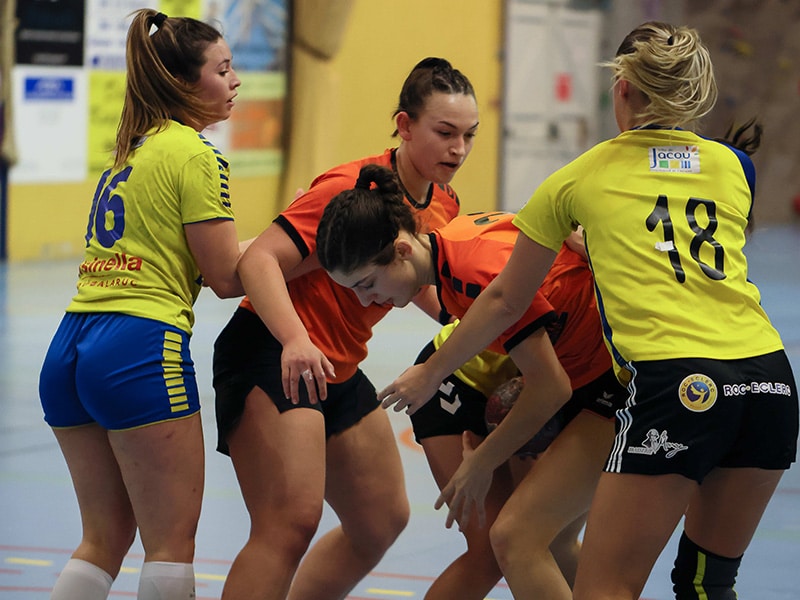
pixel 697 392
pixel 118 262
pixel 674 159
pixel 656 441
pixel 96 273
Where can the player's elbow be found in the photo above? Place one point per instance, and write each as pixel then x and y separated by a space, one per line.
pixel 507 308
pixel 230 287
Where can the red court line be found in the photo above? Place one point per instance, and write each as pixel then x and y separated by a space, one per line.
pixel 212 561
pixel 415 577
pixel 35 549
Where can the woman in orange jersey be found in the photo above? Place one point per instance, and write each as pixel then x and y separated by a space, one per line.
pixel 368 241
pixel 293 443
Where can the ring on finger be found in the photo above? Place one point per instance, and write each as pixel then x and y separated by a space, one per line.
pixel 308 374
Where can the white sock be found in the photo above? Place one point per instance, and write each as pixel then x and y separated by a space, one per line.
pixel 81 580
pixel 166 581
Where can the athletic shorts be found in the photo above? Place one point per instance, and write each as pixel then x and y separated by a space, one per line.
pixel 117 371
pixel 690 415
pixel 455 408
pixel 458 407
pixel 602 396
pixel 247 355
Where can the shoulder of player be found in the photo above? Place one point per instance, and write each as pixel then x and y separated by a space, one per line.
pixel 179 144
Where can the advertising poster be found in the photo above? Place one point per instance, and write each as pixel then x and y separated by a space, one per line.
pixel 66 116
pixel 107 23
pixel 50 121
pixel 49 92
pixel 256 31
pixel 50 32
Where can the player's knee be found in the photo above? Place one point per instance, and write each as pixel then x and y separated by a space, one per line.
pixel 300 528
pixel 502 535
pixel 82 579
pixel 399 517
pixel 110 543
pixel 287 531
pixel 699 574
pixel 382 532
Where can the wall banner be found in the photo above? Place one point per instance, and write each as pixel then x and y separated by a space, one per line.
pixel 50 32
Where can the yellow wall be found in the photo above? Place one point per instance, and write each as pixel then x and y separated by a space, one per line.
pixel 383 41
pixel 49 221
pixel 381 47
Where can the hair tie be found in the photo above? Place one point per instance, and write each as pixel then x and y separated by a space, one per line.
pixel 670 40
pixel 363 183
pixel 159 19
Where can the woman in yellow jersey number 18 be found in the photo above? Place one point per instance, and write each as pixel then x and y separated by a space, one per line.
pixel 711 421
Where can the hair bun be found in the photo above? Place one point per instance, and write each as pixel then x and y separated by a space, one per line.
pixel 364 181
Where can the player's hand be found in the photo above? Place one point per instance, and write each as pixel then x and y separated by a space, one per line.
pixel 411 390
pixel 302 360
pixel 467 489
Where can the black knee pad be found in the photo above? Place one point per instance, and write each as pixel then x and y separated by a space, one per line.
pixel 701 574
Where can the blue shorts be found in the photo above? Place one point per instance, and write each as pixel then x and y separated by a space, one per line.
pixel 690 415
pixel 118 371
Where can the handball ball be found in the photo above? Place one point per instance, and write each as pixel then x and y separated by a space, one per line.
pixel 501 401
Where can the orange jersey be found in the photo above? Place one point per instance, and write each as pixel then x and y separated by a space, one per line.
pixel 470 252
pixel 577 334
pixel 336 321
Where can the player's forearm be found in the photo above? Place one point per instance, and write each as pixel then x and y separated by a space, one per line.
pixel 266 289
pixel 487 318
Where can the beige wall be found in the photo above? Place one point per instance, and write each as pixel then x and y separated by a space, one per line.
pixel 756 56
pixel 383 41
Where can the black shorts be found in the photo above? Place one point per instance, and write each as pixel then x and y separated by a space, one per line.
pixel 455 408
pixel 458 407
pixel 247 355
pixel 688 416
pixel 602 396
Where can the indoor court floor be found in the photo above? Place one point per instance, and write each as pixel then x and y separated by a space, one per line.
pixel 39 523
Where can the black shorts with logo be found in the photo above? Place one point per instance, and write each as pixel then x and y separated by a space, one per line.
pixel 690 415
pixel 457 407
pixel 602 396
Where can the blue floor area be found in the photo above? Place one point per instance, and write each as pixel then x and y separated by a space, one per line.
pixel 39 523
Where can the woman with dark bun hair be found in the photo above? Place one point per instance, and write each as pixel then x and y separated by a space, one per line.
pixel 296 414
pixel 529 513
